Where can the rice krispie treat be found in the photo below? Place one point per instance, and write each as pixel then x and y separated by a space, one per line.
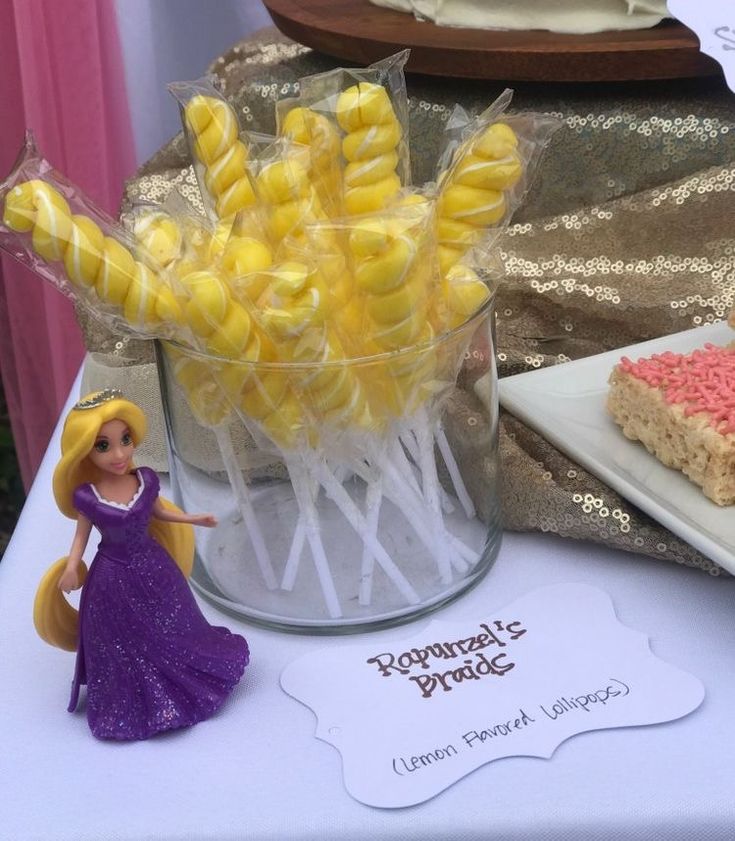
pixel 682 408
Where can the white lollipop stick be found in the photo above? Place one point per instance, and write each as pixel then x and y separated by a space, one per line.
pixel 408 486
pixel 242 496
pixel 430 479
pixel 424 520
pixel 409 470
pixel 408 440
pixel 462 554
pixel 373 499
pixel 294 554
pixel 454 474
pixel 297 547
pixel 415 510
pixel 398 454
pixel 302 488
pixel 354 517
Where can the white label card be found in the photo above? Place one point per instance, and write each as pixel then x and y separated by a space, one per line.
pixel 714 23
pixel 412 715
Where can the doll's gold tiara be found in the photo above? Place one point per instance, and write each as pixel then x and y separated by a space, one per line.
pixel 99 397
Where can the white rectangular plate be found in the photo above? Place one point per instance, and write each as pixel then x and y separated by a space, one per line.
pixel 566 404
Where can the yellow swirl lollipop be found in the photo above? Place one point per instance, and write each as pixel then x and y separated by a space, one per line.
pixel 220 320
pixel 214 130
pixel 291 201
pixel 295 311
pixel 323 398
pixel 393 270
pixel 463 294
pixel 321 137
pixel 196 379
pixel 392 281
pixel 373 134
pixel 91 259
pixel 245 262
pixel 221 324
pixel 394 278
pixel 160 234
pixel 473 192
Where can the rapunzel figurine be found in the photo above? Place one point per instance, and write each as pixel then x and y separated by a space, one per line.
pixel 150 660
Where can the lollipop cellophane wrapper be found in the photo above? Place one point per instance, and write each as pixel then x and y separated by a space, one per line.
pixel 533 131
pixel 72 241
pixel 389 276
pixel 321 134
pixel 321 91
pixel 220 153
pixel 286 194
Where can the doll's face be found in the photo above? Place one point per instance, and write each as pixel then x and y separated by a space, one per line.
pixel 113 448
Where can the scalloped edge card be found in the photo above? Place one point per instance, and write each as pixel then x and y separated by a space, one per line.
pixel 412 715
pixel 714 23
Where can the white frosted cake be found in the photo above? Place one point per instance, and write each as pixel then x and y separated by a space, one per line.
pixel 573 16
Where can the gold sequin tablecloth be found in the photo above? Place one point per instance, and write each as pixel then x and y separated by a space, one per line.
pixel 628 234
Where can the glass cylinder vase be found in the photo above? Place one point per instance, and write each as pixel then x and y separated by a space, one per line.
pixel 339 514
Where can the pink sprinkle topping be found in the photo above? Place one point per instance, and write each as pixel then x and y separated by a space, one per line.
pixel 704 381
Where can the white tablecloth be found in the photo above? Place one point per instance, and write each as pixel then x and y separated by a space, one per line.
pixel 256 771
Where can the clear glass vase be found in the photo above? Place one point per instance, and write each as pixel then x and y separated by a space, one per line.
pixel 338 517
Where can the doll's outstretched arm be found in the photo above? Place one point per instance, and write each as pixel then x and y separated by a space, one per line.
pixel 161 513
pixel 70 576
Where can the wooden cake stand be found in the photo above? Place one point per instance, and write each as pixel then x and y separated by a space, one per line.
pixel 361 33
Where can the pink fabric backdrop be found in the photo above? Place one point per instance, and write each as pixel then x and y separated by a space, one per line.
pixel 63 77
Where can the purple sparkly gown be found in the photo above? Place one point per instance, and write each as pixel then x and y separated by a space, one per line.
pixel 150 660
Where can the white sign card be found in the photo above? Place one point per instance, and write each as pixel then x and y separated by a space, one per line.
pixel 412 715
pixel 714 23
